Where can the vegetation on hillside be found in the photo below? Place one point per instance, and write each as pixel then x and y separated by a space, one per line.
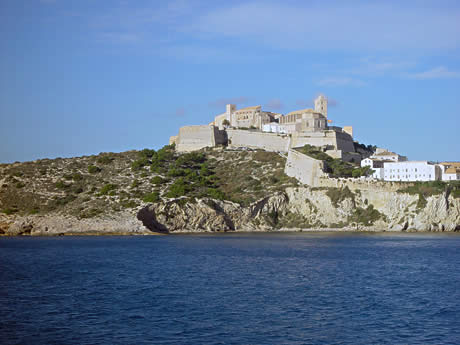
pixel 110 182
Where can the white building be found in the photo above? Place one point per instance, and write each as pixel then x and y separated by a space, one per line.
pixel 450 171
pixel 376 165
pixel 388 156
pixel 274 127
pixel 412 171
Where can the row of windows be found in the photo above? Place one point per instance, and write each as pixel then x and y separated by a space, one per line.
pixel 402 170
pixel 406 176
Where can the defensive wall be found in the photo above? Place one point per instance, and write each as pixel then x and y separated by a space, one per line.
pixel 361 184
pixel 305 169
pixel 353 157
pixel 193 138
pixel 331 138
pixel 258 140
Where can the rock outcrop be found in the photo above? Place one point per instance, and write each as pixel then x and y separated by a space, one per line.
pixel 294 209
pixel 389 211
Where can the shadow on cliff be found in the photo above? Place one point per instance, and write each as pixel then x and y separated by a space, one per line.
pixel 148 219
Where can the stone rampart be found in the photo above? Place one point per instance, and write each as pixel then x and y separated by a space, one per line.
pixel 360 184
pixel 305 169
pixel 333 139
pixel 259 140
pixel 193 138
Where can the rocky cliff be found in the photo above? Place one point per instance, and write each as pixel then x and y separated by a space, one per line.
pixel 304 208
pixel 151 192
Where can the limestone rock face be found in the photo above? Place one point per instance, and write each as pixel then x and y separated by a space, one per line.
pixel 53 225
pixel 295 208
pixel 397 212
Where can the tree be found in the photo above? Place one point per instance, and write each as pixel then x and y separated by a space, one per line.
pixel 225 123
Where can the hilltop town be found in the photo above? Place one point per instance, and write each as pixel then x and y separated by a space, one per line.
pixel 247 170
pixel 254 128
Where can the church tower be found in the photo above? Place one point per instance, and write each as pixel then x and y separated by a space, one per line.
pixel 321 105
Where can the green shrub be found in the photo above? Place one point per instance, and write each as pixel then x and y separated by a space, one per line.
pixel 337 195
pixel 105 159
pixel 421 202
pixel 366 216
pixel 61 185
pixel 107 188
pixel 147 153
pixel 135 183
pixel 10 210
pixel 92 169
pixel 215 194
pixel 90 213
pixel 178 188
pixel 129 203
pixel 158 180
pixel 20 184
pixel 174 172
pixel 77 177
pixel 139 164
pixel 151 197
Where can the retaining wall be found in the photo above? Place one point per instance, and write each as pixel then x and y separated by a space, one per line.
pixel 260 140
pixel 305 169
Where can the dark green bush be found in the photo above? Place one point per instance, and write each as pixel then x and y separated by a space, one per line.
pixel 158 180
pixel 178 188
pixel 61 185
pixel 337 195
pixel 92 169
pixel 147 153
pixel 151 197
pixel 107 188
pixel 105 159
pixel 77 177
pixel 215 194
pixel 366 216
pixel 139 164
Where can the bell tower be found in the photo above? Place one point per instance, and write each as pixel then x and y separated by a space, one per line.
pixel 321 105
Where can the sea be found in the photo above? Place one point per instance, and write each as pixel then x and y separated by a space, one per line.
pixel 240 288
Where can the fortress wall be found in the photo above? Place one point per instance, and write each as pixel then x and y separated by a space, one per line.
pixel 173 139
pixel 345 156
pixel 307 170
pixel 361 184
pixel 267 141
pixel 344 142
pixel 338 140
pixel 193 138
pixel 314 138
pixel 220 136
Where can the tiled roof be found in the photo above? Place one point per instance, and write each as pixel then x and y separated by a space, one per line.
pixel 250 108
pixel 452 170
pixel 308 110
pixel 387 153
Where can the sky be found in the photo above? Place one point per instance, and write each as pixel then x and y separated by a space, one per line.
pixel 79 77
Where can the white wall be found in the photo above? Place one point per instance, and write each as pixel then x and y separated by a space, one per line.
pixel 411 171
pixel 258 140
pixel 305 169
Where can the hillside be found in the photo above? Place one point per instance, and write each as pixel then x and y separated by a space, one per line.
pixel 209 190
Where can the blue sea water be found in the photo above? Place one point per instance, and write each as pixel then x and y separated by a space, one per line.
pixel 303 288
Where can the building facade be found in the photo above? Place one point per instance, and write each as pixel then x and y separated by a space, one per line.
pixel 412 171
pixel 450 171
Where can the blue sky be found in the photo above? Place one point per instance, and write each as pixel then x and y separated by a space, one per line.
pixel 81 77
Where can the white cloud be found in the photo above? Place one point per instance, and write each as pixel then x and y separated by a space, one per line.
pixel 335 25
pixel 341 81
pixel 440 72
